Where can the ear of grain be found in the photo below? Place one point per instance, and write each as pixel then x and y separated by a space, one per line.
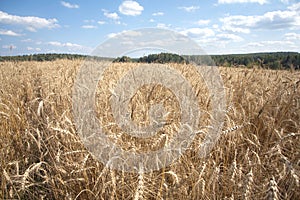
pixel 273 191
pixel 139 193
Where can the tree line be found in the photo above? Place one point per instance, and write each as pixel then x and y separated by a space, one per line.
pixel 155 58
pixel 276 60
pixel 42 57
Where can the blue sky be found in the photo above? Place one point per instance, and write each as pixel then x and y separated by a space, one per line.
pixel 218 26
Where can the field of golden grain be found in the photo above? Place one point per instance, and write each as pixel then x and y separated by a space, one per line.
pixel 42 157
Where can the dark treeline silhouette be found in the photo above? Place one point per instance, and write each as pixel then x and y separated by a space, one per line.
pixel 42 57
pixel 154 58
pixel 50 57
pixel 276 60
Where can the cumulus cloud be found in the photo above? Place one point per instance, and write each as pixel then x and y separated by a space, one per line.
pixel 88 26
pixel 198 32
pixel 285 1
pixel 33 49
pixel 88 21
pixel 101 22
pixel 274 20
pixel 126 34
pixel 111 15
pixel 189 8
pixel 67 44
pixel 292 36
pixel 131 8
pixel 163 26
pixel 158 14
pixel 30 22
pixel 203 22
pixel 9 33
pixel 56 47
pixel 261 2
pixel 295 7
pixel 11 46
pixel 111 35
pixel 27 40
pixel 272 45
pixel 220 39
pixel 229 37
pixel 69 5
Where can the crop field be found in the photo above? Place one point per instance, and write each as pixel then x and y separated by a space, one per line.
pixel 257 155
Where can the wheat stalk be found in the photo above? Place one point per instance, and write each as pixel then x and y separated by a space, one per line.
pixel 248 185
pixel 139 193
pixel 272 190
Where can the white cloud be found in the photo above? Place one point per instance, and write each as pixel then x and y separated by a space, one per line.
pixel 271 45
pixel 292 36
pixel 69 47
pixel 33 49
pixel 275 20
pixel 295 7
pixel 162 25
pixel 69 5
pixel 89 27
pixel 229 37
pixel 111 35
pixel 131 8
pixel 274 44
pixel 152 20
pixel 27 40
pixel 126 34
pixel 198 32
pixel 58 44
pixel 88 21
pixel 113 15
pixel 11 46
pixel 189 8
pixel 30 22
pixel 158 14
pixel 215 26
pixel 101 22
pixel 67 44
pixel 285 1
pixel 277 42
pixel 9 33
pixel 203 22
pixel 255 44
pixel 218 41
pixel 261 2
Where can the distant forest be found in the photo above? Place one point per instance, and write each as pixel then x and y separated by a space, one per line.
pixel 276 60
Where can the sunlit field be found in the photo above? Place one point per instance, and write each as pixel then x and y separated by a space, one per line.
pixel 257 155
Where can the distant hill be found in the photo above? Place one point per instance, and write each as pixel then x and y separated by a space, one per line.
pixel 274 60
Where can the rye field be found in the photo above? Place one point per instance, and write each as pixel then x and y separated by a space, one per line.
pixel 257 155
